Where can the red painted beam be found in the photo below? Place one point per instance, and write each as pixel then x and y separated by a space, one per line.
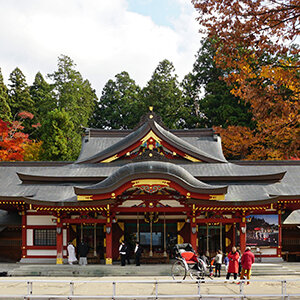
pixel 154 209
pixel 216 220
pixel 151 197
pixel 82 220
pixel 173 149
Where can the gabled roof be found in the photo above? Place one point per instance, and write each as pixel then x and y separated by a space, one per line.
pixel 121 145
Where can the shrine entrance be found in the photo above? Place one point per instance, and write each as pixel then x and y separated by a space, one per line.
pixel 211 238
pixel 157 239
pixel 93 235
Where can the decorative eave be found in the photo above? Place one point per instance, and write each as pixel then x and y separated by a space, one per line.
pixel 287 197
pixel 29 178
pixel 150 174
pixel 12 198
pixel 151 129
pixel 241 204
pixel 273 177
pixel 66 203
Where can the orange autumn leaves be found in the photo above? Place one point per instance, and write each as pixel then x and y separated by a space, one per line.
pixel 253 40
pixel 13 141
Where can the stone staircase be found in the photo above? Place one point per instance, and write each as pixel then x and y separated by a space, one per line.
pixel 259 269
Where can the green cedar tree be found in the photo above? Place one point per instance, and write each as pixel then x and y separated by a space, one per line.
pixel 73 94
pixel 218 107
pixel 60 141
pixel 119 106
pixel 5 113
pixel 42 94
pixel 19 96
pixel 163 93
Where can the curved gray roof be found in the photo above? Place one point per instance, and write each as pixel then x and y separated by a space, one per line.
pixel 11 186
pixel 214 153
pixel 151 169
pixel 202 171
pixel 97 149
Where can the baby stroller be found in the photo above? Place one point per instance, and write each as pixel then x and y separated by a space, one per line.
pixel 188 263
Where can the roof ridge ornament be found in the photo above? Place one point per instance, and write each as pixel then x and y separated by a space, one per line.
pixel 151 134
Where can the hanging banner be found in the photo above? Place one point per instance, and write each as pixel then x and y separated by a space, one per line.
pixel 262 230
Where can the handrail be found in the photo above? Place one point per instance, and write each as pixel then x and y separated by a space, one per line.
pixel 149 281
pixel 71 295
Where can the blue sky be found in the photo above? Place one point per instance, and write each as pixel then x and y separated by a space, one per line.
pixel 162 12
pixel 103 38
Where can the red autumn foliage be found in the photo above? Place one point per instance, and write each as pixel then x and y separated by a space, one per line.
pixel 36 125
pixel 253 45
pixel 25 115
pixel 12 139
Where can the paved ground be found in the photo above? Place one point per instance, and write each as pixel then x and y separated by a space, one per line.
pixel 259 269
pixel 92 273
pixel 86 289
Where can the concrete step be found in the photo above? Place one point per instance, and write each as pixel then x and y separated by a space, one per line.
pixel 262 269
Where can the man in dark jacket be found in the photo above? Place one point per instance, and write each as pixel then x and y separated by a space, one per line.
pixel 138 253
pixel 128 252
pixel 83 250
pixel 247 261
pixel 123 251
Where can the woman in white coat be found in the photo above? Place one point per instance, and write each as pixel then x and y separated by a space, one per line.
pixel 71 253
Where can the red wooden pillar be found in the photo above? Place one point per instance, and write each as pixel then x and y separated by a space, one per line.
pixel 108 232
pixel 59 242
pixel 108 259
pixel 193 238
pixel 243 235
pixel 233 235
pixel 193 229
pixel 279 234
pixel 24 234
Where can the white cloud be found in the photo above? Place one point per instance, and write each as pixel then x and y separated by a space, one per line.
pixel 102 37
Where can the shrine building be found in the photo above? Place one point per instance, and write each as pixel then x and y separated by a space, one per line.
pixel 153 185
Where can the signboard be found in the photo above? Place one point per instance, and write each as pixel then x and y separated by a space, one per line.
pixel 262 230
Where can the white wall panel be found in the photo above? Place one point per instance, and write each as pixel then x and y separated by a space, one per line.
pixel 269 251
pixel 29 237
pixel 43 220
pixel 65 237
pixel 41 252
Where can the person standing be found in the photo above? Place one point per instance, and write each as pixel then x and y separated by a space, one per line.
pixel 204 258
pixel 128 251
pixel 218 263
pixel 83 250
pixel 240 262
pixel 138 253
pixel 247 261
pixel 71 253
pixel 122 251
pixel 226 262
pixel 233 266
